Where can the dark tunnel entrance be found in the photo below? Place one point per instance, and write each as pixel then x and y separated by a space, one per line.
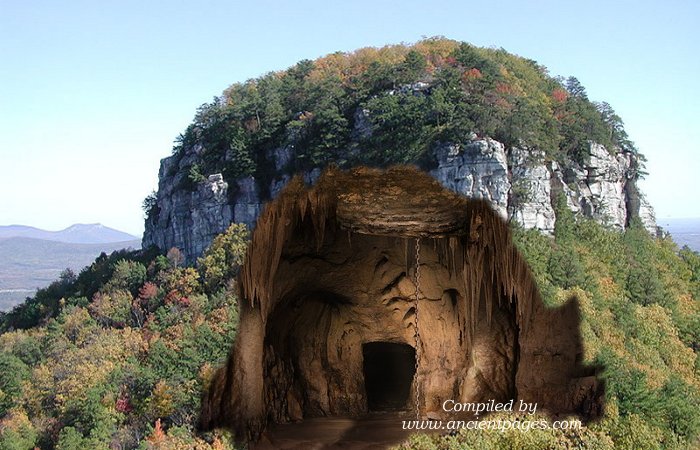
pixel 389 369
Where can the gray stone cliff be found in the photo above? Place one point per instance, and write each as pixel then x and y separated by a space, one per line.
pixel 520 184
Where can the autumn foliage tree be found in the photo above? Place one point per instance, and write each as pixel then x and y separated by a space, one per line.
pixel 224 256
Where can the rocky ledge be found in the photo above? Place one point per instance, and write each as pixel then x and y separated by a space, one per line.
pixel 520 184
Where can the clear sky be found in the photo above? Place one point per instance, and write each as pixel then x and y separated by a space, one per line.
pixel 93 93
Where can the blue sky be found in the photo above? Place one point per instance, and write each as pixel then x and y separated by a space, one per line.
pixel 92 94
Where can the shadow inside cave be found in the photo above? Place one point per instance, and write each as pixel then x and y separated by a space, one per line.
pixel 328 312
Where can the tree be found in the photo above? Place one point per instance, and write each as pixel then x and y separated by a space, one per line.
pixel 644 286
pixel 224 256
pixel 195 174
pixel 565 223
pixel 13 372
pixel 412 68
pixel 161 403
pixel 90 417
pixel 113 308
pixel 617 134
pixel 575 88
pixel 128 275
pixel 70 439
pixel 175 257
pixel 680 402
pixel 150 204
pixel 325 128
pixel 402 128
pixel 559 95
pixel 17 432
pixel 565 268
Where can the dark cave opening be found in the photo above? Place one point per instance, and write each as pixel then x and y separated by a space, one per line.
pixel 389 369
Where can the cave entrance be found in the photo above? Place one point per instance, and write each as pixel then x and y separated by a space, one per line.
pixel 389 369
pixel 328 304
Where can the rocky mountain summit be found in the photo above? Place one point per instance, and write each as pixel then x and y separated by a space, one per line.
pixel 519 183
pixel 484 123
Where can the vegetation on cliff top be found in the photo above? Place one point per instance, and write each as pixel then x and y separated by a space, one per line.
pixel 410 97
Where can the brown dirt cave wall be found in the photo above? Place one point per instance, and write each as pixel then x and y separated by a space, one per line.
pixel 326 275
pixel 356 291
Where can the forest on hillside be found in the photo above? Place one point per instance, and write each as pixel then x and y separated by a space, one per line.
pixel 411 97
pixel 118 355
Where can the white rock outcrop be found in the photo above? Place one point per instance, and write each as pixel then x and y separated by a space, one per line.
pixel 647 216
pixel 603 187
pixel 478 169
pixel 519 182
pixel 531 194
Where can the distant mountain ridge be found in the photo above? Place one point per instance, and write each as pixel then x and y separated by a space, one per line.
pixel 94 233
pixel 31 258
pixel 684 231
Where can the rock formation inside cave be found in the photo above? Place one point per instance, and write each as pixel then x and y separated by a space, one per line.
pixel 328 310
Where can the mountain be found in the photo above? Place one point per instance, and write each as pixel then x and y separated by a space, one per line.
pixel 31 258
pixel 685 231
pixel 485 123
pixel 94 233
pixel 138 336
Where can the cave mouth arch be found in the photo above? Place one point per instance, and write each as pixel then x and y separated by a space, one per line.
pixel 389 369
pixel 330 267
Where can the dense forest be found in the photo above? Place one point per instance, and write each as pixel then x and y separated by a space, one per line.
pixel 117 356
pixel 410 97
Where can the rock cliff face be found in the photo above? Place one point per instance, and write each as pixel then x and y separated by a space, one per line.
pixel 190 219
pixel 520 184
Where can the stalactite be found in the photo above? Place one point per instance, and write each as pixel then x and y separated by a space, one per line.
pixel 454 261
